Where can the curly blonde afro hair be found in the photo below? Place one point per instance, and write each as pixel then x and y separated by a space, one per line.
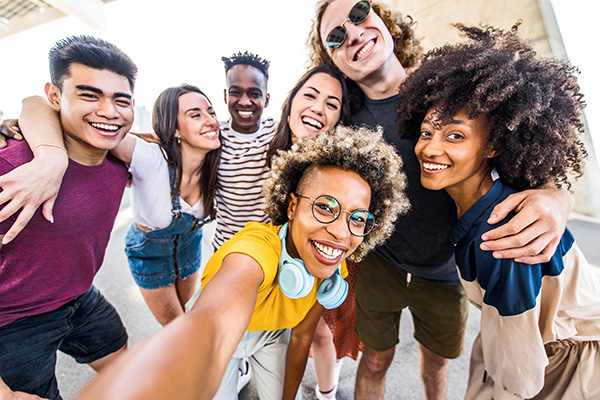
pixel 360 150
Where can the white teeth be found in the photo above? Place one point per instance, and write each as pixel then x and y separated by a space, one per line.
pixel 327 252
pixel 435 166
pixel 245 113
pixel 365 50
pixel 210 134
pixel 105 127
pixel 312 122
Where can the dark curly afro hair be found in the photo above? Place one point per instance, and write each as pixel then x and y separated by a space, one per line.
pixel 533 104
pixel 360 150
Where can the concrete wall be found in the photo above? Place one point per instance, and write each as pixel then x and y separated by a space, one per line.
pixel 538 25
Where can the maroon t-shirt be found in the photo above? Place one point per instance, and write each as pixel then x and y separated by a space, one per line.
pixel 48 265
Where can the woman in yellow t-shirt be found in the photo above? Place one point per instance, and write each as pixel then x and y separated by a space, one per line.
pixel 331 197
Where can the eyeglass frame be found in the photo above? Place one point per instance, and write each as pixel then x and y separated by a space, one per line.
pixel 312 209
pixel 341 26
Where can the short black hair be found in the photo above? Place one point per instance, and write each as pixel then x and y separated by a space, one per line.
pixel 534 104
pixel 247 58
pixel 92 52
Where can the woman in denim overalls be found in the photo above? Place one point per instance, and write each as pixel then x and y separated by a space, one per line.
pixel 173 185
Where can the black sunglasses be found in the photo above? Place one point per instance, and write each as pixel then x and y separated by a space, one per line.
pixel 358 13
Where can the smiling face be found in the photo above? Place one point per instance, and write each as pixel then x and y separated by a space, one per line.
pixel 322 247
pixel 456 156
pixel 316 107
pixel 246 97
pixel 198 126
pixel 96 111
pixel 368 47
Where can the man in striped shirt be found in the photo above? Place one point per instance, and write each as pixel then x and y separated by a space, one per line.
pixel 245 139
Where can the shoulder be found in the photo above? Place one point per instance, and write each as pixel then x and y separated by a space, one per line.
pixel 16 153
pixel 259 241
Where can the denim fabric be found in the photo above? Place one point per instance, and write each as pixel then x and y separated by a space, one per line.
pixel 87 328
pixel 157 257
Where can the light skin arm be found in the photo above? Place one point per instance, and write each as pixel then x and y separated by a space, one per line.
pixel 7 394
pixel 189 356
pixel 37 182
pixel 531 236
pixel 300 340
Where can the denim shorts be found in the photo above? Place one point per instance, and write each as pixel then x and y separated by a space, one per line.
pixel 156 258
pixel 87 328
pixel 439 312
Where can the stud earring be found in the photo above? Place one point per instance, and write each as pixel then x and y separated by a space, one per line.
pixel 178 139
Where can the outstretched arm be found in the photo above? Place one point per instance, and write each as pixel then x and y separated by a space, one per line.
pixel 187 358
pixel 300 339
pixel 533 234
pixel 37 182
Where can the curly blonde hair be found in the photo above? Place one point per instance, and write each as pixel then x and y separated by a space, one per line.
pixel 407 46
pixel 361 150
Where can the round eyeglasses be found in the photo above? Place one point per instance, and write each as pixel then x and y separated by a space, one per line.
pixel 327 209
pixel 358 13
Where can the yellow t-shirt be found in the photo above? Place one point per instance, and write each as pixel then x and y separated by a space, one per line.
pixel 273 310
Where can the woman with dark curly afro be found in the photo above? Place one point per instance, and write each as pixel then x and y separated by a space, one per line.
pixel 489 119
pixel 332 197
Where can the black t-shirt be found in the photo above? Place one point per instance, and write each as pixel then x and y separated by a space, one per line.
pixel 420 243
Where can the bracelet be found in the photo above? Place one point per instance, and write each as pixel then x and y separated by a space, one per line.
pixel 48 145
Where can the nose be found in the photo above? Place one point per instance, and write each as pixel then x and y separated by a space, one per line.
pixel 317 107
pixel 432 147
pixel 339 228
pixel 354 33
pixel 245 99
pixel 107 109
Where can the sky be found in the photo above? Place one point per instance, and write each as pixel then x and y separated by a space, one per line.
pixel 182 41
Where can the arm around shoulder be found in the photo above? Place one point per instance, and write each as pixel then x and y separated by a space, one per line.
pixel 533 234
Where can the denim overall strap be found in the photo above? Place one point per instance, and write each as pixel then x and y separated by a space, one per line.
pixel 175 204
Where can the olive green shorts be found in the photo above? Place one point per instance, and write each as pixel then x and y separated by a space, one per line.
pixel 439 312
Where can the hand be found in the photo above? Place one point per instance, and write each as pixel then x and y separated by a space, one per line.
pixel 7 394
pixel 30 185
pixel 531 236
pixel 9 129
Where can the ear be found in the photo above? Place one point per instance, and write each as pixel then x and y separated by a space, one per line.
pixel 53 95
pixel 267 98
pixel 292 204
pixel 491 153
pixel 225 95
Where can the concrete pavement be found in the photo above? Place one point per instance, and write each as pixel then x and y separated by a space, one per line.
pixel 403 379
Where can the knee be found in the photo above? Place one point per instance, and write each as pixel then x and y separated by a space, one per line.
pixel 377 361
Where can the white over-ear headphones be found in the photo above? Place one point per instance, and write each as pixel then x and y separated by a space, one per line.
pixel 296 282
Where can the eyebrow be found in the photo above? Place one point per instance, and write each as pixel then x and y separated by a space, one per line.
pixel 318 91
pixel 452 122
pixel 100 92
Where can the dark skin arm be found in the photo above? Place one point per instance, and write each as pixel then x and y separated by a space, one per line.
pixel 189 356
pixel 9 129
pixel 533 234
pixel 300 340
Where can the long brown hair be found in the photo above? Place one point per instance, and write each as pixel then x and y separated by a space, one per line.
pixel 165 123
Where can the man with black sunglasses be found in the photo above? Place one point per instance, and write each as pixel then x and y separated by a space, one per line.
pixel 374 46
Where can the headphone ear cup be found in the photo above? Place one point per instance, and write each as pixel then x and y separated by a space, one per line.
pixel 294 280
pixel 332 291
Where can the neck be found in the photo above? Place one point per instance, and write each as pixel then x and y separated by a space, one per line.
pixel 191 161
pixel 467 193
pixel 385 82
pixel 83 153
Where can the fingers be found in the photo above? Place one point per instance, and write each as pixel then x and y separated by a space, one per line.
pixel 22 220
pixel 2 142
pixel 47 209
pixel 511 203
pixel 539 250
